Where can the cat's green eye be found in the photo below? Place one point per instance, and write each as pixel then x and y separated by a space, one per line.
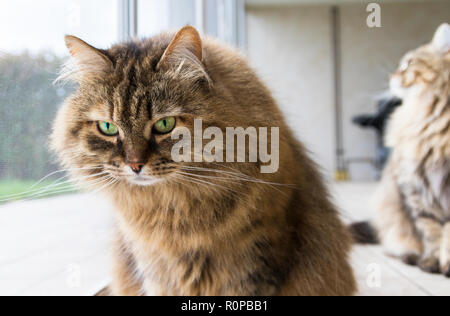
pixel 165 125
pixel 107 128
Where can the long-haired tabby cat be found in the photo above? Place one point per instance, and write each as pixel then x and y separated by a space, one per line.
pixel 413 202
pixel 196 228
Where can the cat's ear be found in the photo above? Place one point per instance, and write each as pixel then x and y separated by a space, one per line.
pixel 185 46
pixel 441 39
pixel 88 61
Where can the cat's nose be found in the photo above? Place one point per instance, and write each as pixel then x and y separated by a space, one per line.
pixel 136 167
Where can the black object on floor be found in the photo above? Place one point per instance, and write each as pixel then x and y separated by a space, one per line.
pixel 378 121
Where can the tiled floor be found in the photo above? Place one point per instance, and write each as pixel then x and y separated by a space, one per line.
pixel 59 246
pixel 378 274
pixel 56 246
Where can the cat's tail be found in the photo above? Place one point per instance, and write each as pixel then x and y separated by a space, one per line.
pixel 364 233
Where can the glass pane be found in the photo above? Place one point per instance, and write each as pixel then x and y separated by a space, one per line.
pixel 155 16
pixel 31 52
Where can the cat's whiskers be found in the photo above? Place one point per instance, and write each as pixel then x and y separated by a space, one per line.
pixel 240 176
pixel 180 180
pixel 236 178
pixel 109 182
pixel 71 181
pixel 187 182
pixel 253 178
pixel 194 181
pixel 44 194
pixel 65 170
pixel 56 183
pixel 249 178
pixel 206 183
pixel 39 192
pixel 85 185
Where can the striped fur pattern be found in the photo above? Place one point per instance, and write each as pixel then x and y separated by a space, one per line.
pixel 205 228
pixel 413 202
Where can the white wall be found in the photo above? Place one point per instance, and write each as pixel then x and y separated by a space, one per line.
pixel 290 46
pixel 287 46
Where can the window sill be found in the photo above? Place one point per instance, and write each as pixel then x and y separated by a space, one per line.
pixel 57 246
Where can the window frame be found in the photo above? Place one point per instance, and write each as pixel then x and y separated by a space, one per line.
pixel 224 19
pixel 128 19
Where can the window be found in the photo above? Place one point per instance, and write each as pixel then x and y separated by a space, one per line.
pixel 224 19
pixel 52 246
pixel 32 51
pixel 155 16
pixel 58 246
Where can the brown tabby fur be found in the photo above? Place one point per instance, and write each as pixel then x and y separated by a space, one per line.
pixel 413 202
pixel 211 233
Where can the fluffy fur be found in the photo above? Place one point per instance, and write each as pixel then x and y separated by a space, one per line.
pixel 225 229
pixel 413 200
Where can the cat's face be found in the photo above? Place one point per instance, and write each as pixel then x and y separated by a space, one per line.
pixel 423 68
pixel 130 101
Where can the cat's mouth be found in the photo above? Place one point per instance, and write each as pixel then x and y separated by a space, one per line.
pixel 139 179
pixel 142 180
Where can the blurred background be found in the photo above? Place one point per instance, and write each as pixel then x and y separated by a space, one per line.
pixel 309 52
pixel 324 63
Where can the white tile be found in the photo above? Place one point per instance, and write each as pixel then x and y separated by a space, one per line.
pixel 47 246
pixel 43 243
pixel 355 203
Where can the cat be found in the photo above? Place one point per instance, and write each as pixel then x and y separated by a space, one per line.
pixel 196 228
pixel 413 200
